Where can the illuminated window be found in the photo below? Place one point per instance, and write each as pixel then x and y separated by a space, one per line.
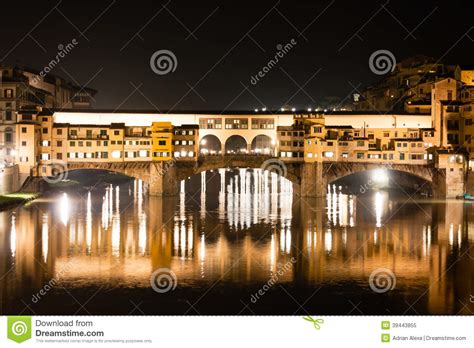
pixel 116 154
pixel 45 156
pixel 143 153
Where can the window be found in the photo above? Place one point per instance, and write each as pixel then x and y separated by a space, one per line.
pixel 116 154
pixel 360 155
pixel 386 134
pixel 8 93
pixel 80 143
pixel 23 129
pixel 116 132
pixel 8 115
pixel 89 133
pixel 360 143
pixel 402 156
pixel 45 130
pixel 73 133
pixel 89 143
pixel 45 156
pixel 23 143
pixel 8 137
pixel 328 154
pixel 345 155
pixel 59 131
pixel 59 156
pixel 162 142
pixel 317 129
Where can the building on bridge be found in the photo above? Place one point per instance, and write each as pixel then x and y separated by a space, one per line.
pixel 23 88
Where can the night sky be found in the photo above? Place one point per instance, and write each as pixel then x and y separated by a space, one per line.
pixel 219 45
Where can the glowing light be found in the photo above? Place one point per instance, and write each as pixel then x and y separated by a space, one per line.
pixel 64 207
pixel 380 176
pixel 378 209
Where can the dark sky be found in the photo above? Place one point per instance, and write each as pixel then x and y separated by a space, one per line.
pixel 219 45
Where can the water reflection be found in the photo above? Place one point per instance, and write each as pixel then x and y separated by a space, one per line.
pixel 239 228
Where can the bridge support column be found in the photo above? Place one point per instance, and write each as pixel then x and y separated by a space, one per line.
pixel 163 179
pixel 156 179
pixel 469 183
pixel 448 184
pixel 313 184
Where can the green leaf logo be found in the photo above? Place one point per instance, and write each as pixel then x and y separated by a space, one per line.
pixel 316 322
pixel 19 328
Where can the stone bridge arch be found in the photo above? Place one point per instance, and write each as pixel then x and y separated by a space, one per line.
pixel 182 170
pixel 337 170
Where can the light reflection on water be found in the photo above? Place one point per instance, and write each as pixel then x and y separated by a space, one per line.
pixel 239 228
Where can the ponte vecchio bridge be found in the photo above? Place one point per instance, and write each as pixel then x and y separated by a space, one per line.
pixel 311 150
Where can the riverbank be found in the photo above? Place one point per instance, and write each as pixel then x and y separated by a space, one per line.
pixel 12 200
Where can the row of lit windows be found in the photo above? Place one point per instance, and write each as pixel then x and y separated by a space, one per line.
pixel 184 142
pixel 291 154
pixel 292 143
pixel 184 154
pixel 361 155
pixel 184 132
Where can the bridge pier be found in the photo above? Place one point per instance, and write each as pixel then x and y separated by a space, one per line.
pixel 449 183
pixel 313 183
pixel 163 179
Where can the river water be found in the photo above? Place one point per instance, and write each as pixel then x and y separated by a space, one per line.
pixel 236 242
